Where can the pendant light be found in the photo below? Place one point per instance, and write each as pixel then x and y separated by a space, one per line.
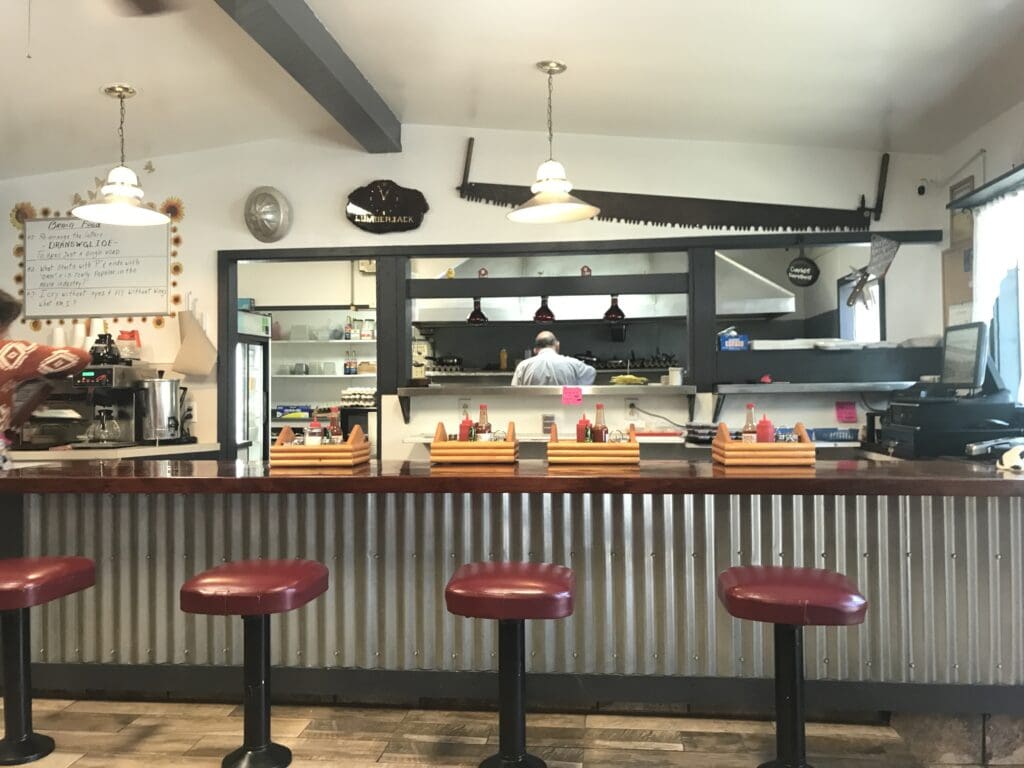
pixel 551 202
pixel 614 314
pixel 122 195
pixel 477 316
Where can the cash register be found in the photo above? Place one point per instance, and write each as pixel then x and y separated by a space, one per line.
pixel 969 406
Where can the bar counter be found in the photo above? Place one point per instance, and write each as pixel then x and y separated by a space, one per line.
pixel 867 476
pixel 936 546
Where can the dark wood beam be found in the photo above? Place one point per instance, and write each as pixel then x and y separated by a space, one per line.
pixel 292 34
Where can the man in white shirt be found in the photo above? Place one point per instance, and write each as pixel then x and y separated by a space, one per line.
pixel 548 368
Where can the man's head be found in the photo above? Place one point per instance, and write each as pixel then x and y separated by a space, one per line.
pixel 545 340
pixel 10 310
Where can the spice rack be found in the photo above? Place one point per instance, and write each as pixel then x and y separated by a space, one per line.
pixel 735 453
pixel 445 451
pixel 355 450
pixel 572 452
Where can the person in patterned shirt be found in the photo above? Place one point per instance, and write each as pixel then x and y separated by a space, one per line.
pixel 22 361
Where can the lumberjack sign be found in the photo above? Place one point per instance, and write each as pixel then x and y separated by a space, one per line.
pixel 383 206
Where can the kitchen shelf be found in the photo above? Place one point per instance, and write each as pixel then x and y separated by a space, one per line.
pixel 804 388
pixel 324 376
pixel 595 285
pixel 551 326
pixel 405 394
pixel 323 341
pixel 315 308
pixel 493 374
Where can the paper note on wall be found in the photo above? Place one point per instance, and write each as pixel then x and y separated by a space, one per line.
pixel 846 412
pixel 572 395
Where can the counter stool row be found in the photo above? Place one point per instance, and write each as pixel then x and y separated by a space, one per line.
pixel 508 592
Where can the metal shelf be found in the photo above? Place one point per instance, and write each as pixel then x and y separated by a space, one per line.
pixel 803 388
pixel 324 376
pixel 405 394
pixel 323 341
pixel 598 285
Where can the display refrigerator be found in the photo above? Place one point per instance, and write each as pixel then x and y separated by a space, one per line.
pixel 252 387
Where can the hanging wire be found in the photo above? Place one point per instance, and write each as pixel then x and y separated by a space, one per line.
pixel 120 128
pixel 28 33
pixel 551 132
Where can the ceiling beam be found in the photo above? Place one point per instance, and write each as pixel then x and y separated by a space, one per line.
pixel 292 34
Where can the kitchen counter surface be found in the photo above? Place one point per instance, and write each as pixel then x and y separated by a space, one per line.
pixel 114 454
pixel 940 477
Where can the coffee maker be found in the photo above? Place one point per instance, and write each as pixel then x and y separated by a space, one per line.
pixel 111 392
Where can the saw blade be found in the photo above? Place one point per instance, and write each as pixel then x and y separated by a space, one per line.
pixel 695 212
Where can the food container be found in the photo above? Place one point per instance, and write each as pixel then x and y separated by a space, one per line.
pixel 288 451
pixel 735 453
pixel 573 452
pixel 446 451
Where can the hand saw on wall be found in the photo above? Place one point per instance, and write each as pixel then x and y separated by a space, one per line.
pixel 669 211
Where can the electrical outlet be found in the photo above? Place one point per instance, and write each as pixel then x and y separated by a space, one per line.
pixel 631 408
pixel 464 404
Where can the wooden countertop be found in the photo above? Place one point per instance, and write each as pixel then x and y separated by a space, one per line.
pixel 940 477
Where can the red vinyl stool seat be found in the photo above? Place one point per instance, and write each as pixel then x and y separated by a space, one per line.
pixel 511 593
pixel 790 598
pixel 25 582
pixel 254 590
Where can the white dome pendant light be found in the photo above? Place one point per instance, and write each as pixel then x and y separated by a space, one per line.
pixel 122 195
pixel 551 202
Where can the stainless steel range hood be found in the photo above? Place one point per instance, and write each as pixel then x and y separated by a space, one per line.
pixel 740 290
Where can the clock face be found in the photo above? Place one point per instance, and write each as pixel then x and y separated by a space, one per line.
pixel 267 214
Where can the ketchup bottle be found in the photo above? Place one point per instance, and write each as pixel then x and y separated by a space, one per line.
pixel 583 429
pixel 765 430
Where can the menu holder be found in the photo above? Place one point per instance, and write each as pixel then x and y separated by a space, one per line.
pixel 445 451
pixel 285 453
pixel 572 452
pixel 735 453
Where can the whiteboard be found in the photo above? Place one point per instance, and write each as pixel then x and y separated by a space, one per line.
pixel 77 268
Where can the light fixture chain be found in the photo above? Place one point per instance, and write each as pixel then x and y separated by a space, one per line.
pixel 120 128
pixel 551 132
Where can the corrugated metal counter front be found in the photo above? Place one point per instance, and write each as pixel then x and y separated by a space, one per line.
pixel 944 576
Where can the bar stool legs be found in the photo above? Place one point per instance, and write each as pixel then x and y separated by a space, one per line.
pixel 257 750
pixel 20 744
pixel 790 743
pixel 512 699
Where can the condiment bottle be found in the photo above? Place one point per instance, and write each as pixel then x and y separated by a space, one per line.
pixel 314 432
pixel 483 425
pixel 750 428
pixel 465 427
pixel 583 429
pixel 348 327
pixel 765 430
pixel 334 427
pixel 503 359
pixel 599 432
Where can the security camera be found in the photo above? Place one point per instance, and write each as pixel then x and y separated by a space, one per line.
pixel 922 188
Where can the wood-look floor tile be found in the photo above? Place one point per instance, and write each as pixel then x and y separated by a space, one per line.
pixel 100 760
pixel 152 708
pixel 377 714
pixel 144 740
pixel 357 728
pixel 302 748
pixel 45 705
pixel 435 752
pixel 224 725
pixel 457 733
pixel 616 758
pixel 81 721
pixel 676 723
pixel 633 739
pixel 58 760
pixel 450 716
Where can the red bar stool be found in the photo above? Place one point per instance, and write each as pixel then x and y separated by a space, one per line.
pixel 24 582
pixel 511 593
pixel 255 589
pixel 790 598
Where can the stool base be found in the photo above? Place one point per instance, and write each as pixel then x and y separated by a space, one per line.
pixel 783 764
pixel 33 747
pixel 524 761
pixel 270 756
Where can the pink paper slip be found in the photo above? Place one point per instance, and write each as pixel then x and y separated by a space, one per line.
pixel 572 395
pixel 846 412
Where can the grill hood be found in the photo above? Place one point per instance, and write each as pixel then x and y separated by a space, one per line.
pixel 740 291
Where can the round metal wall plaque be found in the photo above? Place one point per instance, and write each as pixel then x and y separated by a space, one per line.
pixel 803 272
pixel 268 214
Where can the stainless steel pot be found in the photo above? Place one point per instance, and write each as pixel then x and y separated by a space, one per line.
pixel 160 402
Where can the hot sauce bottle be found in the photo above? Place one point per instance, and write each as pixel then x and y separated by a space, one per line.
pixel 583 429
pixel 599 432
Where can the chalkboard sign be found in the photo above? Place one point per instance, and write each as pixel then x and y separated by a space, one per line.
pixel 76 268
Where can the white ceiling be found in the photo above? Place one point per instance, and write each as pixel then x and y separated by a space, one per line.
pixel 905 75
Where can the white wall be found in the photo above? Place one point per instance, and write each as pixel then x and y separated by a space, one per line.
pixel 317 176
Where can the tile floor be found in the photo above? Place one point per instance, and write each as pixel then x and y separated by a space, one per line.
pixel 105 734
